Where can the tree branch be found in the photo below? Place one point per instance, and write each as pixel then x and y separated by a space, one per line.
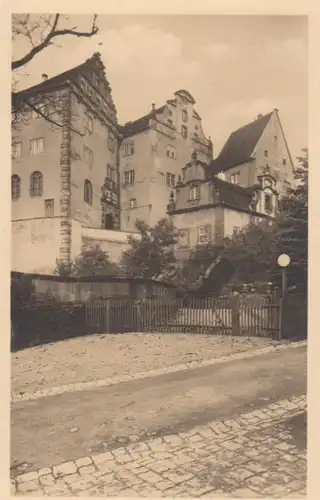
pixel 54 32
pixel 50 120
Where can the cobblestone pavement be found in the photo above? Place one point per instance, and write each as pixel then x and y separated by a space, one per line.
pixel 254 455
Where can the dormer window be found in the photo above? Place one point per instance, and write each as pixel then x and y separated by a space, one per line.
pixel 83 86
pixel 235 178
pixel 194 193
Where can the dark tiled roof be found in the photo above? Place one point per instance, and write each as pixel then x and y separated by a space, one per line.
pixel 140 124
pixel 232 194
pixel 58 79
pixel 240 145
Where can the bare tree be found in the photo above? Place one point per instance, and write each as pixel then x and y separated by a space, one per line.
pixel 40 32
pixel 43 28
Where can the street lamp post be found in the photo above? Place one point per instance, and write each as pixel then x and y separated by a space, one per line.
pixel 283 262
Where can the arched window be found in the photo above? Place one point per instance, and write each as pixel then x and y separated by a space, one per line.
pixel 88 192
pixel 36 184
pixel 15 187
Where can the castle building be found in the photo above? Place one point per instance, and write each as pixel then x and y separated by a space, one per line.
pixel 65 168
pixel 152 153
pixel 80 177
pixel 242 184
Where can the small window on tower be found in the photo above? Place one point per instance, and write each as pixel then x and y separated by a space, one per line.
pixel 284 161
pixel 266 154
pixel 268 203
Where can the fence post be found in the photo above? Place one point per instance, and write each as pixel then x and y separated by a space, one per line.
pixel 235 314
pixel 108 315
pixel 281 316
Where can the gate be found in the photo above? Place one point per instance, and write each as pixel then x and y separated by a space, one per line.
pixel 294 317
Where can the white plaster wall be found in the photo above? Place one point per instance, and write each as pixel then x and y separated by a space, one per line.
pixel 35 245
pixel 112 242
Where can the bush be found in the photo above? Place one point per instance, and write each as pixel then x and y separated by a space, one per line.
pixel 39 319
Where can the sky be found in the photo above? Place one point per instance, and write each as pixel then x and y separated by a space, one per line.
pixel 234 66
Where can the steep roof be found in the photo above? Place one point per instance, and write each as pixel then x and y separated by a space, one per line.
pixel 132 128
pixel 239 146
pixel 61 78
pixel 232 194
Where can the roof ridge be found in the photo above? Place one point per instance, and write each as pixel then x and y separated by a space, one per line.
pixel 47 82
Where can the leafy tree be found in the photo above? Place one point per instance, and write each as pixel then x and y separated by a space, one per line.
pixel 293 226
pixel 92 261
pixel 152 255
pixel 256 249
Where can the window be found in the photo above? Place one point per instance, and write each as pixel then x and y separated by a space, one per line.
pixel 275 138
pixel 16 149
pixel 49 208
pixel 88 123
pixel 15 187
pixel 128 148
pixel 129 177
pixel 88 156
pixel 87 195
pixel 268 202
pixel 194 193
pixel 83 86
pixel 284 161
pixel 184 131
pixel 171 152
pixel 37 146
pixel 111 143
pixel 112 173
pixel 114 197
pixel 36 184
pixel 170 180
pixel 184 115
pixel 204 234
pixel 235 178
pixel 99 101
pixel 133 203
pixel 266 154
pixel 169 112
pixel 90 93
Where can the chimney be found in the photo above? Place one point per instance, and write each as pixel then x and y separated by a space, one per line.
pixel 44 77
pixel 153 106
pixel 259 115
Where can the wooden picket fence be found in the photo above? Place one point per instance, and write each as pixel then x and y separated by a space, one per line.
pixel 266 316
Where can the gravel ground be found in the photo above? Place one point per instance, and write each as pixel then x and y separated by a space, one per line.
pixel 98 357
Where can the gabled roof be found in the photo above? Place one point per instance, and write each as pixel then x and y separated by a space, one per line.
pixel 50 83
pixel 132 128
pixel 232 194
pixel 141 124
pixel 240 145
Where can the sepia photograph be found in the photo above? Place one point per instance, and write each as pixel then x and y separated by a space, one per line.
pixel 159 255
